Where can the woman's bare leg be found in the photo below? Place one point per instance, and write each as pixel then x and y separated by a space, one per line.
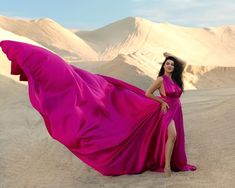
pixel 169 147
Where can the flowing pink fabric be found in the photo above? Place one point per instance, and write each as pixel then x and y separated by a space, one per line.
pixel 107 123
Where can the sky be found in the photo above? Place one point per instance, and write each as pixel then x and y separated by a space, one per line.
pixel 93 14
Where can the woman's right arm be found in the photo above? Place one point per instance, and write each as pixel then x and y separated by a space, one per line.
pixel 156 85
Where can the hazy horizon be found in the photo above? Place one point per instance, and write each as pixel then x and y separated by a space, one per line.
pixel 87 15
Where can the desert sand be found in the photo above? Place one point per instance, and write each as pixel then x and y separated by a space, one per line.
pixel 129 49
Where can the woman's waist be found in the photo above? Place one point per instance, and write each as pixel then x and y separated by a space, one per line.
pixel 171 99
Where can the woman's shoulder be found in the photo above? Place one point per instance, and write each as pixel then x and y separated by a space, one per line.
pixel 159 78
pixel 158 81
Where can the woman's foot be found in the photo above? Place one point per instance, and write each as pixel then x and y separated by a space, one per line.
pixel 167 171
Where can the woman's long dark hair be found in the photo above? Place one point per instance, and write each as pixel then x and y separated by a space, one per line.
pixel 177 72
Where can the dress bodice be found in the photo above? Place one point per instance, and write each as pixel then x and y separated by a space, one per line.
pixel 172 90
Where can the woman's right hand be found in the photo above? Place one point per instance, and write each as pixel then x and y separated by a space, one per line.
pixel 165 106
pixel 167 54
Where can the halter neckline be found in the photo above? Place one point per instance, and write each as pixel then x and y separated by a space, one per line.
pixel 172 81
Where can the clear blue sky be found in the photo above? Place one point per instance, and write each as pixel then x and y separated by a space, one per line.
pixel 92 14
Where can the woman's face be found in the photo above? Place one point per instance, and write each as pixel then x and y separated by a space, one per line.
pixel 169 66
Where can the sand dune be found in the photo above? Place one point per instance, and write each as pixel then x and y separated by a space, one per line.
pixel 142 73
pixel 4 63
pixel 51 35
pixel 138 43
pixel 212 46
pixel 198 46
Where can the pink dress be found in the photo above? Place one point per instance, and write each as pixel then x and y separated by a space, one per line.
pixel 107 123
pixel 173 93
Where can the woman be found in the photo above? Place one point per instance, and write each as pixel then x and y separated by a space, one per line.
pixel 170 85
pixel 110 125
